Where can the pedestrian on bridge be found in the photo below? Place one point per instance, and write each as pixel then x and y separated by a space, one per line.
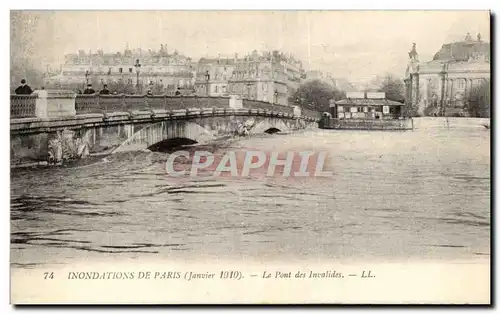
pixel 89 90
pixel 24 89
pixel 104 90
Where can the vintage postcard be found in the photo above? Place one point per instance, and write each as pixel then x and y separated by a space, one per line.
pixel 250 157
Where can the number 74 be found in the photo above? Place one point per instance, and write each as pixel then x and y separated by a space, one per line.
pixel 48 275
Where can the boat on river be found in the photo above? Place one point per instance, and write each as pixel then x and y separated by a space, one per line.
pixel 366 111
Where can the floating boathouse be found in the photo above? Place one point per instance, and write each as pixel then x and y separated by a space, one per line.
pixel 366 111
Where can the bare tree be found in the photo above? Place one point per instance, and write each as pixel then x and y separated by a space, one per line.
pixel 121 88
pixel 316 95
pixel 394 90
pixel 392 87
pixel 479 100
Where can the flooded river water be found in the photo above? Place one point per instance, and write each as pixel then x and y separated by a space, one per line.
pixel 393 195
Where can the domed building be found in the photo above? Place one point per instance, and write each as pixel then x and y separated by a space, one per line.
pixel 443 85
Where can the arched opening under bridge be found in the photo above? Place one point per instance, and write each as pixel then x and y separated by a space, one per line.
pixel 272 130
pixel 171 145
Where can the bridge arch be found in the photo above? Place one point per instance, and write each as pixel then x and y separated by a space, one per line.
pixel 272 130
pixel 170 145
pixel 270 126
pixel 166 130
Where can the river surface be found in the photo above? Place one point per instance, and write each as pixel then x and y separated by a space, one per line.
pixel 393 195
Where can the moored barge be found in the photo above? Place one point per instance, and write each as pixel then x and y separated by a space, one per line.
pixel 366 111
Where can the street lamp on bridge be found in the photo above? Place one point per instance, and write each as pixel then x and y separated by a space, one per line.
pixel 248 89
pixel 87 77
pixel 207 79
pixel 137 66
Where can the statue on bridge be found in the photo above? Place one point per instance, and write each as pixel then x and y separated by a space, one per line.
pixel 66 145
pixel 243 129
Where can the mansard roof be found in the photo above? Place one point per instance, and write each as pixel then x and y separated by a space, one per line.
pixel 222 61
pixel 463 51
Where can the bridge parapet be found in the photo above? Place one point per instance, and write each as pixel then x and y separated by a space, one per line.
pixel 43 104
pixel 22 106
pixel 261 105
pixel 126 103
pixel 47 104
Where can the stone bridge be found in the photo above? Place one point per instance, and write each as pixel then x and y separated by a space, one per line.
pixel 53 126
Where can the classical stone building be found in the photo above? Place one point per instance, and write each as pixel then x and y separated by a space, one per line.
pixel 269 76
pixel 170 70
pixel 443 85
pixel 213 74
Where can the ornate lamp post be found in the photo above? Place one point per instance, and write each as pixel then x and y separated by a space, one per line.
pixel 276 97
pixel 87 77
pixel 248 89
pixel 137 66
pixel 207 79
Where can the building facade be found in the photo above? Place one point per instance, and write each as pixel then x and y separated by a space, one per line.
pixel 212 76
pixel 269 76
pixel 443 85
pixel 134 68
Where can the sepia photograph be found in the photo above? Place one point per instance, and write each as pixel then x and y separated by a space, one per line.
pixel 250 157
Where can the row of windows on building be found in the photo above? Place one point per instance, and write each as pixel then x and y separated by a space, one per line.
pixel 243 88
pixel 203 77
pixel 254 73
pixel 238 75
pixel 131 70
pixel 181 83
pixel 119 61
pixel 234 88
pixel 217 88
pixel 460 83
pixel 367 109
pixel 205 69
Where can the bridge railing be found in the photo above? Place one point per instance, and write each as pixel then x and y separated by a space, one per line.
pixel 123 103
pixel 255 104
pixel 53 103
pixel 22 106
pixel 87 104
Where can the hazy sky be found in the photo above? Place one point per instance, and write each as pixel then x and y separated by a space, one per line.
pixel 356 45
